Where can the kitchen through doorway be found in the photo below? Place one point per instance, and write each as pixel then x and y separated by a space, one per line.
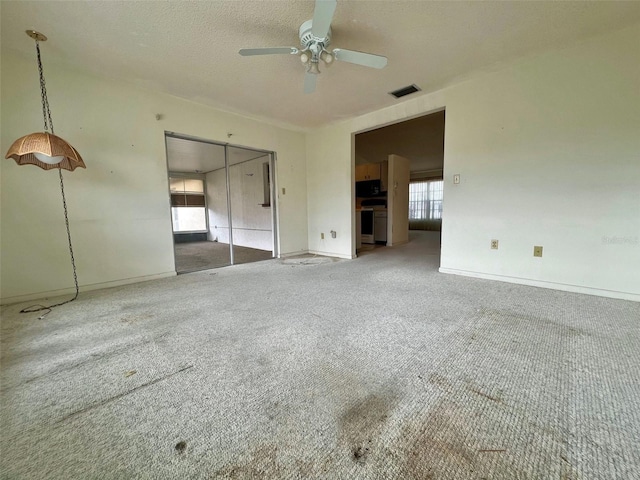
pixel 398 185
pixel 222 208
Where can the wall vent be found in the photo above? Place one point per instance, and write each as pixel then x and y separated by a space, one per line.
pixel 401 92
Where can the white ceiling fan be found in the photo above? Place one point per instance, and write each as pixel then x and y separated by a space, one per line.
pixel 315 37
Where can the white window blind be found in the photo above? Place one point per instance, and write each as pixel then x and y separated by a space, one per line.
pixel 188 206
pixel 425 200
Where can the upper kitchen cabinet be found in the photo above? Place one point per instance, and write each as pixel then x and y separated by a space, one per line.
pixel 367 171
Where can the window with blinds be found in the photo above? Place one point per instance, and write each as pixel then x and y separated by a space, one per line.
pixel 425 200
pixel 188 205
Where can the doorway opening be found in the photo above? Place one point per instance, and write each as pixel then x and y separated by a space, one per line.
pixel 222 203
pixel 399 184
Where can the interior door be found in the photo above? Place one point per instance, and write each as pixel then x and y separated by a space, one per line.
pixel 251 208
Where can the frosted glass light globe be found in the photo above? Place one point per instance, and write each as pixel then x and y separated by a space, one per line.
pixel 47 159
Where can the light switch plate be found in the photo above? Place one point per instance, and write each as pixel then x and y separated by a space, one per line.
pixel 537 251
pixel 456 178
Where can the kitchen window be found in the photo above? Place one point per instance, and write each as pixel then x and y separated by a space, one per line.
pixel 425 200
pixel 188 206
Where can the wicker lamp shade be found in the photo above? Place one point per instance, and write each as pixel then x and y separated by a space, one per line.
pixel 24 149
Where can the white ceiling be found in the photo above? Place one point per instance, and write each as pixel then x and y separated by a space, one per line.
pixel 190 49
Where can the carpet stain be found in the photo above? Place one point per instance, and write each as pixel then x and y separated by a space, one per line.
pixel 181 446
pixel 477 391
pixel 272 410
pixel 509 317
pixel 568 472
pixel 362 423
pixel 134 318
pixel 460 439
pixel 441 382
pixel 262 464
pixel 120 395
pixel 93 357
pixel 360 452
pixel 436 446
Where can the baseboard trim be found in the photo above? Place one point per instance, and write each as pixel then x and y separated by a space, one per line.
pixel 634 297
pixel 83 288
pixel 404 242
pixel 293 254
pixel 332 254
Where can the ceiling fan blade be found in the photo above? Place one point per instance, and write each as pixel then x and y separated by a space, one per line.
pixel 247 52
pixel 322 16
pixel 310 82
pixel 360 58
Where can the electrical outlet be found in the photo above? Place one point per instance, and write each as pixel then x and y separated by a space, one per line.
pixel 333 234
pixel 284 190
pixel 494 244
pixel 537 251
pixel 322 236
pixel 456 178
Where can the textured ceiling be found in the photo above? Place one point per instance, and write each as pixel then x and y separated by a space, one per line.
pixel 190 49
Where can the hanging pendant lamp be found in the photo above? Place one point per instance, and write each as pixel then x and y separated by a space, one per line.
pixel 47 151
pixel 44 149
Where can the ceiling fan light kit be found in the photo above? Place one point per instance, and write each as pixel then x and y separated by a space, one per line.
pixel 315 37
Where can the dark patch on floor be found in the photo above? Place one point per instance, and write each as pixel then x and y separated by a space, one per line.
pixel 134 318
pixel 438 447
pixel 361 424
pixel 263 464
pixel 460 438
pixel 567 470
pixel 478 391
pixel 126 307
pixel 117 397
pixel 509 317
pixel 360 452
pixel 181 446
pixel 93 357
pixel 441 382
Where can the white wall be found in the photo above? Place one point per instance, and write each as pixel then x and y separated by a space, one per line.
pixel 119 206
pixel 330 183
pixel 251 221
pixel 547 150
pixel 549 154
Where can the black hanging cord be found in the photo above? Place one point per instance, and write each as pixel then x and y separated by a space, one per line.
pixel 48 125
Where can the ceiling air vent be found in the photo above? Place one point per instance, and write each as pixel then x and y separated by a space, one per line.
pixel 401 92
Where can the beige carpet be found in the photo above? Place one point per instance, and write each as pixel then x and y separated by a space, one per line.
pixel 312 368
